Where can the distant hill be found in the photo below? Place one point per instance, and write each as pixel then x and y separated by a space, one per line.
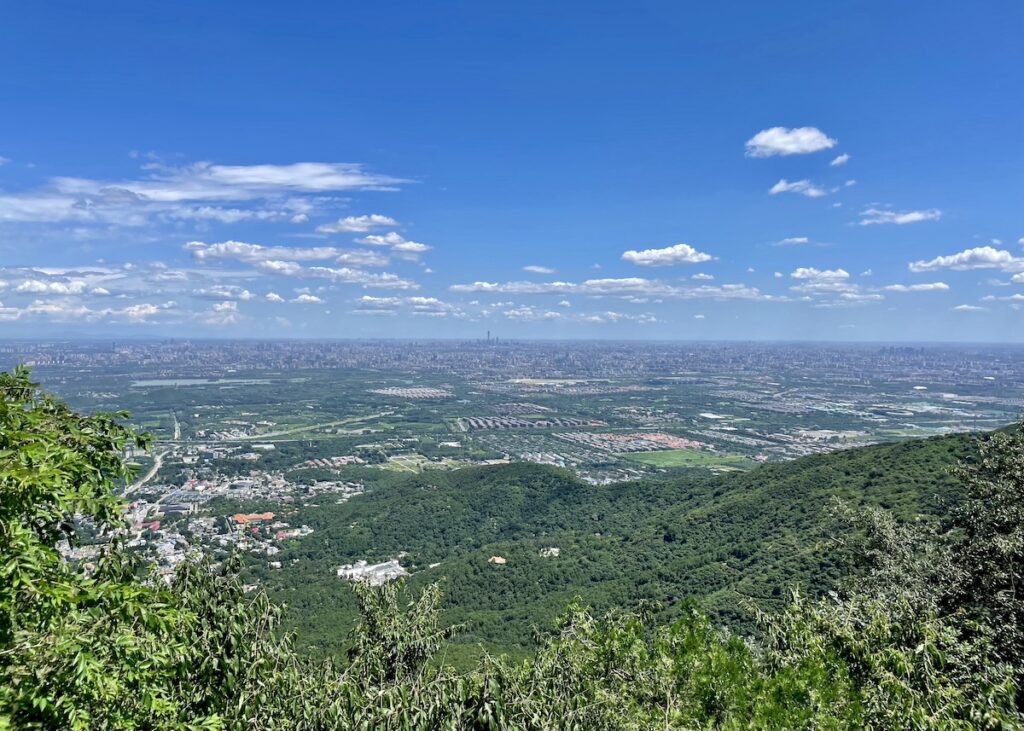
pixel 717 540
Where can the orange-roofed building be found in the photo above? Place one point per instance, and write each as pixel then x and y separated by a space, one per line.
pixel 243 518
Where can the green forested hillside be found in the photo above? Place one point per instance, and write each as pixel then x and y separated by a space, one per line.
pixel 718 540
pixel 925 634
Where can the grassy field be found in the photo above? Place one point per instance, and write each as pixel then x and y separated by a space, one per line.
pixel 689 458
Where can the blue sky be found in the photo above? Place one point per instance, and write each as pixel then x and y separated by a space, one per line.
pixel 788 170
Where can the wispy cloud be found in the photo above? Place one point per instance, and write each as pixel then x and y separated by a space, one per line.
pixel 624 287
pixel 793 241
pixel 198 191
pixel 923 287
pixel 878 216
pixel 803 187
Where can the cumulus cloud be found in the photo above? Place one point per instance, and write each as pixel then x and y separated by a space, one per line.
pixel 968 308
pixel 784 141
pixel 793 241
pixel 357 224
pixel 273 297
pixel 668 256
pixel 537 269
pixel 979 257
pixel 877 216
pixel 840 160
pixel 307 299
pixel 803 187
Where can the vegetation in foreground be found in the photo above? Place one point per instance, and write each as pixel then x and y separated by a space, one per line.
pixel 931 634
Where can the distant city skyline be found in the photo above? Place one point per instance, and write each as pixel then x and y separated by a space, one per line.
pixel 788 172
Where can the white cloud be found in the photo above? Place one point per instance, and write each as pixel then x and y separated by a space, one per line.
pixel 250 253
pixel 282 268
pixel 397 243
pixel 207 181
pixel 526 313
pixel 968 308
pixel 565 303
pixel 698 317
pixel 362 258
pixel 618 287
pixel 876 216
pixel 840 160
pixel 830 288
pixel 273 297
pixel 65 311
pixel 221 314
pixel 793 241
pixel 819 275
pixel 923 287
pixel 36 286
pixel 285 261
pixel 610 317
pixel 348 275
pixel 416 306
pixel 357 224
pixel 537 269
pixel 979 257
pixel 803 187
pixel 668 256
pixel 1017 278
pixel 190 192
pixel 703 276
pixel 224 292
pixel 784 141
pixel 307 299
